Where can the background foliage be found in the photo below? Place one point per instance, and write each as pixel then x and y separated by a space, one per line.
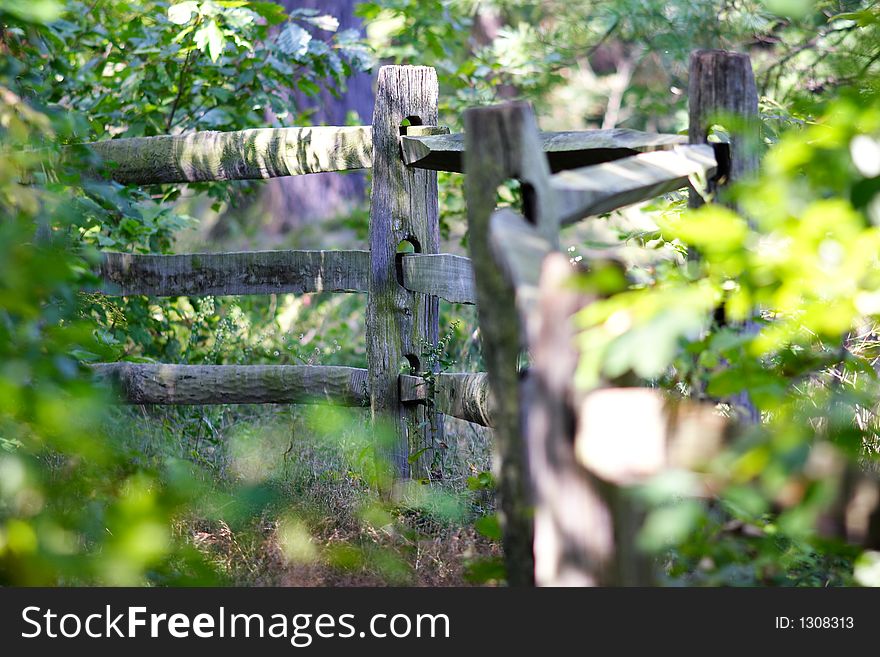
pixel 90 493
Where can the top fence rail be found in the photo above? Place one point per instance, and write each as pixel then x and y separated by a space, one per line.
pixel 264 153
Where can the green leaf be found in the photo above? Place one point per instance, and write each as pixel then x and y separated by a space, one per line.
pixel 712 228
pixel 211 37
pixel 182 12
pixel 486 570
pixel 669 525
pixel 412 458
pixel 271 11
pixel 790 8
pixel 33 11
pixel 483 481
pixel 489 527
pixel 308 87
pixel 867 569
pixel 294 40
pixel 864 17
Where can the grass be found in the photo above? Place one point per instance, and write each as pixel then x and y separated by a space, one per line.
pixel 290 500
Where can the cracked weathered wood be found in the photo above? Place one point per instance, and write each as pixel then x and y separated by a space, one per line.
pixel 143 383
pixel 502 142
pixel 590 191
pixel 238 155
pixel 249 272
pixel 447 276
pixel 466 396
pixel 403 207
pixel 565 150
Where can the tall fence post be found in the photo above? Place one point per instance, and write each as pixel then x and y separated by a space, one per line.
pixel 403 209
pixel 500 143
pixel 722 87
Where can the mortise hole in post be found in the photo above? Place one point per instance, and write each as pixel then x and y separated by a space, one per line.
pixel 407 245
pixel 520 196
pixel 722 157
pixel 407 122
pixel 409 364
pixel 529 203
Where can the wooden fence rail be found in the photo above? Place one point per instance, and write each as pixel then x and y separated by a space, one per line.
pixel 461 395
pixel 142 383
pixel 444 275
pixel 565 150
pixel 249 272
pixel 240 155
pixel 593 190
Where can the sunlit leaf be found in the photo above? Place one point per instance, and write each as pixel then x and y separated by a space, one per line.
pixel 294 40
pixel 182 12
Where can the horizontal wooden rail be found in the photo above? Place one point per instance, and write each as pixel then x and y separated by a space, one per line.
pixel 251 272
pixel 592 190
pixel 236 384
pixel 461 395
pixel 238 155
pixel 565 150
pixel 627 435
pixel 447 276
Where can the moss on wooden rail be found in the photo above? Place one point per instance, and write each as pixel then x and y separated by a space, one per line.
pixel 140 383
pixel 250 272
pixel 237 155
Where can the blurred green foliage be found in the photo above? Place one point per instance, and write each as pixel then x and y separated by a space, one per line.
pixel 775 307
pixel 96 495
pixel 79 503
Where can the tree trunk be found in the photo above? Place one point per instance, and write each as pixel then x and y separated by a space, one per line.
pixel 320 196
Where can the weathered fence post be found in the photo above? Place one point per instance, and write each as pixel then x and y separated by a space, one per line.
pixel 404 208
pixel 722 87
pixel 501 143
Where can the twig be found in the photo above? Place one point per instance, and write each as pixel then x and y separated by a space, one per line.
pixel 180 86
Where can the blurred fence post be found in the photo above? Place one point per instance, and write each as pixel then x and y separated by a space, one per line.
pixel 500 143
pixel 404 213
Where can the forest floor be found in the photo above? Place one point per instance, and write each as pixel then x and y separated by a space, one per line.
pixel 285 506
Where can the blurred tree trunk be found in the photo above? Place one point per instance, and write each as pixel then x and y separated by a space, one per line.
pixel 488 22
pixel 294 201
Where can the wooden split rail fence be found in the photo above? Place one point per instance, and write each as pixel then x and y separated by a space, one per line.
pixel 564 456
pixel 403 289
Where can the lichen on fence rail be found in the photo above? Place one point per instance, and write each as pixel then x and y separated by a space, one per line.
pixel 238 155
